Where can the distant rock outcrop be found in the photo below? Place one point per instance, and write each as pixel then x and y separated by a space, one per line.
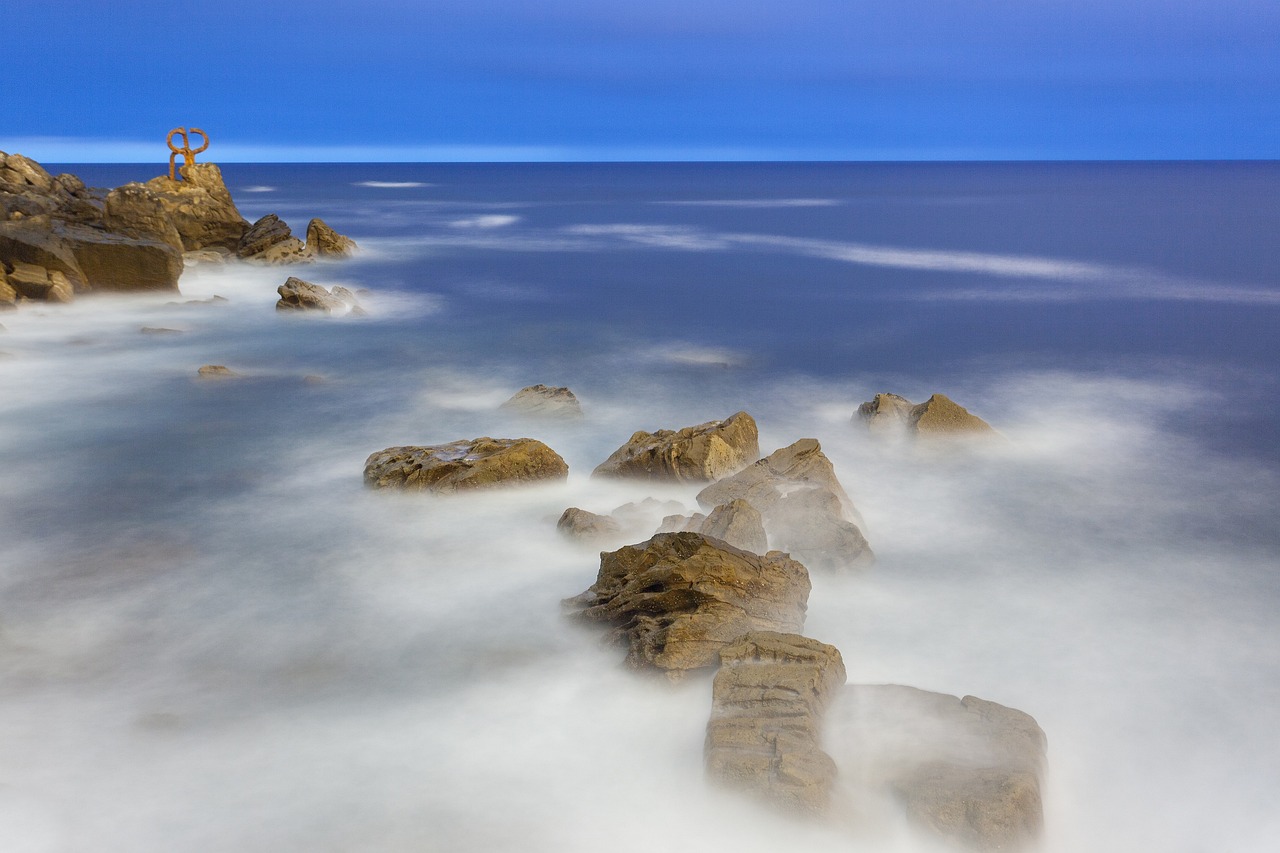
pixel 545 401
pixel 702 453
pixel 677 599
pixel 805 510
pixel 201 207
pixel 324 242
pixel 736 522
pixel 939 416
pixel 966 769
pixel 464 465
pixel 299 295
pixel 765 732
pixel 583 526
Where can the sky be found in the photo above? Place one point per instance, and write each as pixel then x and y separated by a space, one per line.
pixel 570 80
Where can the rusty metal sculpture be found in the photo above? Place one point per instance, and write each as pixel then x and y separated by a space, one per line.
pixel 188 153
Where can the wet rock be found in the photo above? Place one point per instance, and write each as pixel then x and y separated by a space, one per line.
pixel 545 401
pixel 765 732
pixel 299 295
pixel 968 770
pixel 694 454
pixel 939 416
pixel 583 526
pixel 736 522
pixel 463 465
pixel 201 207
pixel 216 371
pixel 806 511
pixel 677 599
pixel 324 242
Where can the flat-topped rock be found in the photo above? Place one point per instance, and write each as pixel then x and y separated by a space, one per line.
pixel 545 401
pixel 677 599
pixel 765 732
pixel 695 454
pixel 477 463
pixel 805 510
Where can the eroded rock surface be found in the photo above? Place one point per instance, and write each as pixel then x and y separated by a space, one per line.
pixel 695 454
pixel 939 416
pixel 736 522
pixel 805 510
pixel 968 770
pixel 765 732
pixel 545 401
pixel 201 207
pixel 464 465
pixel 677 599
pixel 586 526
pixel 299 295
pixel 271 241
pixel 324 242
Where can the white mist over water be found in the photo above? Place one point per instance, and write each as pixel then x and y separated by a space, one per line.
pixel 213 637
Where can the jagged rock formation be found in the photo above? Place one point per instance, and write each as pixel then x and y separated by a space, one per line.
pixel 677 599
pixel 545 401
pixel 271 241
pixel 736 522
pixel 938 416
pixel 299 295
pixel 702 453
pixel 201 207
pixel 765 732
pixel 464 465
pixel 966 769
pixel 324 242
pixel 805 510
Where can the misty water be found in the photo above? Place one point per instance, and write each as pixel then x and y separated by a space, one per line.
pixel 213 637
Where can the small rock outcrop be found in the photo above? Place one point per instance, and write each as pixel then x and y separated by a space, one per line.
pixel 586 526
pixel 696 454
pixel 299 295
pixel 805 509
pixel 968 770
pixel 736 522
pixel 201 207
pixel 677 599
pixel 271 241
pixel 216 371
pixel 477 463
pixel 765 732
pixel 545 401
pixel 939 416
pixel 324 242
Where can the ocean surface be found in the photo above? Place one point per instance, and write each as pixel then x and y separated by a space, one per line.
pixel 213 637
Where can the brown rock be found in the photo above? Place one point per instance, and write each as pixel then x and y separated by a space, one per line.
pixel 736 522
pixel 679 598
pixel 765 732
pixel 201 207
pixel 296 294
pixel 133 210
pixel 324 242
pixel 586 526
pixel 33 282
pixel 545 401
pixel 885 413
pixel 966 769
pixel 805 509
pixel 8 296
pixel 267 232
pixel 215 371
pixel 694 454
pixel 940 416
pixel 22 171
pixel 463 465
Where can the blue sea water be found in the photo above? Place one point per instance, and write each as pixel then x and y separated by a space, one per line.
pixel 214 638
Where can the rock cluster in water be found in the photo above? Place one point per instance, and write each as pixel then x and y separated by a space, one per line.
pixel 59 237
pixel 939 416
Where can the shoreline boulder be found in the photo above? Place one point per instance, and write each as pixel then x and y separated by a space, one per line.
pixel 696 454
pixel 477 463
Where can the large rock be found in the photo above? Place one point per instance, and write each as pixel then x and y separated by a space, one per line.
pixel 120 262
pixel 695 454
pixel 134 210
pixel 939 416
pixel 545 401
pixel 8 296
pixel 806 511
pixel 29 281
pixel 765 732
pixel 736 522
pixel 201 207
pixel 324 242
pixel 968 770
pixel 677 599
pixel 463 465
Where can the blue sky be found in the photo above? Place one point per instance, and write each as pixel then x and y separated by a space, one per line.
pixel 104 80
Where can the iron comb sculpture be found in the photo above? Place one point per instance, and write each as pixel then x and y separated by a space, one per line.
pixel 188 153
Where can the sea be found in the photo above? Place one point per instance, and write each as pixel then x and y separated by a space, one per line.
pixel 214 637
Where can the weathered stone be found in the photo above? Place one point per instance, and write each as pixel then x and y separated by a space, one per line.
pixel 463 465
pixel 324 242
pixel 765 732
pixel 885 413
pixel 34 282
pixel 201 207
pixel 268 231
pixel 586 526
pixel 118 262
pixel 805 509
pixel 133 210
pixel 940 416
pixel 8 296
pixel 966 769
pixel 694 454
pixel 215 371
pixel 677 599
pixel 32 241
pixel 296 294
pixel 736 522
pixel 545 401
pixel 22 170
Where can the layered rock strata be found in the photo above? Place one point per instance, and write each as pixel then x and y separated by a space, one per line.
pixel 765 732
pixel 478 463
pixel 677 599
pixel 695 454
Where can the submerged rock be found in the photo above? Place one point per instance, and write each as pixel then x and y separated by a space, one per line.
pixel 805 510
pixel 736 522
pixel 701 453
pixel 885 413
pixel 939 416
pixel 545 401
pixel 586 526
pixel 765 731
pixel 463 465
pixel 968 770
pixel 677 599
